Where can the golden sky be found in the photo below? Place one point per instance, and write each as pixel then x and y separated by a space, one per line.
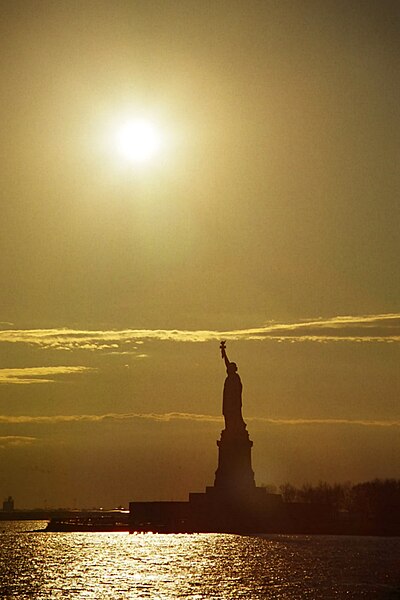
pixel 269 218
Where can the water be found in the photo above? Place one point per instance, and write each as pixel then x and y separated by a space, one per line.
pixel 200 566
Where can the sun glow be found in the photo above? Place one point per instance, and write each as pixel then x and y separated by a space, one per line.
pixel 138 140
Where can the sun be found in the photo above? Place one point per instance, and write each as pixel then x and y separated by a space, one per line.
pixel 138 140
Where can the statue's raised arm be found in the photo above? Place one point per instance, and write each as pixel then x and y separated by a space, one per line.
pixel 223 353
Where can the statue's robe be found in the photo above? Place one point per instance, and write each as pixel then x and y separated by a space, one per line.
pixel 232 402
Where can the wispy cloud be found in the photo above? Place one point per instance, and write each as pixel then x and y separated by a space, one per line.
pixel 54 419
pixel 30 375
pixel 177 416
pixel 7 441
pixel 357 422
pixel 384 328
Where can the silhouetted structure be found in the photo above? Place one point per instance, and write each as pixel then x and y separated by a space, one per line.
pixel 234 503
pixel 234 474
pixel 8 504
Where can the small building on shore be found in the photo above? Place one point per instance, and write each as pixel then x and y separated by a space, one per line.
pixel 8 504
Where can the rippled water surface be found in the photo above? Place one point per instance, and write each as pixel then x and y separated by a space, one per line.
pixel 119 565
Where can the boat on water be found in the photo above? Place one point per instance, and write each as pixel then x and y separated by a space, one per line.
pixel 98 523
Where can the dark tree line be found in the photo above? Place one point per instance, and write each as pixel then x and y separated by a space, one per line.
pixel 369 498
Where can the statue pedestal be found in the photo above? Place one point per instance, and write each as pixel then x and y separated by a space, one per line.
pixel 233 504
pixel 234 476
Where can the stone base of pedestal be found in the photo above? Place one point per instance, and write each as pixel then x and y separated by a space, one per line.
pixel 234 475
pixel 232 505
pixel 219 511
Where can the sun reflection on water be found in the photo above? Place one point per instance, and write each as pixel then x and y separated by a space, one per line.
pixel 122 566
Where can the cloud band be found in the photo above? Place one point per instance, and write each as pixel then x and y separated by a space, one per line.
pixel 175 416
pixel 384 328
pixel 29 375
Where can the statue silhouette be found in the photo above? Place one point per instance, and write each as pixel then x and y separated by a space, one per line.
pixel 232 396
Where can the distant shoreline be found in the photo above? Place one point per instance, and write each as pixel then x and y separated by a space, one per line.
pixel 334 528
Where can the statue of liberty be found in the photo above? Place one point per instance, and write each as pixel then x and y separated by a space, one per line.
pixel 232 396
